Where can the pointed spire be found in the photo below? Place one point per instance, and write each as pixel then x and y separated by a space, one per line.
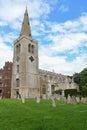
pixel 25 30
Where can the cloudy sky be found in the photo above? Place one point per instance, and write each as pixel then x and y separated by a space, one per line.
pixel 60 26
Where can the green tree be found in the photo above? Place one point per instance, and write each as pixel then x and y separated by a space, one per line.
pixel 81 79
pixel 76 78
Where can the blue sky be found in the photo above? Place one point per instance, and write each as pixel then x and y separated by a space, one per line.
pixel 60 26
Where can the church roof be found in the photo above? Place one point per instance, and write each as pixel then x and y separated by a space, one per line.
pixel 25 30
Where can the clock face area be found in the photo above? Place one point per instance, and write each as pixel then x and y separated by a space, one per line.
pixel 18 58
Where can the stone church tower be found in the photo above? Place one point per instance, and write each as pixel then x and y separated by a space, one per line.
pixel 25 75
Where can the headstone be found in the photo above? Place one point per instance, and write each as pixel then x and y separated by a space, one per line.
pixel 64 99
pixel 61 98
pixel 58 97
pixel 69 99
pixel 23 100
pixel 53 101
pixel 44 96
pixel 74 101
pixel 38 99
pixel 84 100
pixel 78 99
pixel 63 93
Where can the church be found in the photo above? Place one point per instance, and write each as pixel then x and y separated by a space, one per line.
pixel 27 79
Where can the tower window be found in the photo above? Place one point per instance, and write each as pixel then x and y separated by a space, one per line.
pixel 18 47
pixel 29 47
pixel 17 82
pixel 32 48
pixel 17 68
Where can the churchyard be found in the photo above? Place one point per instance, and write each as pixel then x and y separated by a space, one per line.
pixel 42 114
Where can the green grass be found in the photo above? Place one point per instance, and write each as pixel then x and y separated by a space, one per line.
pixel 15 115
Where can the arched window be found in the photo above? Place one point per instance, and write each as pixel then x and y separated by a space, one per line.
pixel 17 83
pixel 18 48
pixel 29 48
pixel 32 48
pixel 17 68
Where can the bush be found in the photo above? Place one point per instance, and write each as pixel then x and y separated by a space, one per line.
pixel 71 92
pixel 58 91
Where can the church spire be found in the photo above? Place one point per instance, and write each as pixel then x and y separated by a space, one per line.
pixel 25 30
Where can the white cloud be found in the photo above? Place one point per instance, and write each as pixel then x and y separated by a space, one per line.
pixel 38 9
pixel 6 53
pixel 60 65
pixel 65 38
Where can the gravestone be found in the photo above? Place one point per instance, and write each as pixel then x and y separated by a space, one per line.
pixel 58 97
pixel 64 99
pixel 69 99
pixel 23 100
pixel 78 99
pixel 38 99
pixel 84 100
pixel 73 100
pixel 63 94
pixel 53 101
pixel 44 96
pixel 61 98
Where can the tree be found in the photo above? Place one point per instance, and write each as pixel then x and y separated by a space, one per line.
pixel 81 79
pixel 76 78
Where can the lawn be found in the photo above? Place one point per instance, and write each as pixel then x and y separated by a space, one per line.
pixel 14 115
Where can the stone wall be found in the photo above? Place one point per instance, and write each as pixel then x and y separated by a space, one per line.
pixel 52 81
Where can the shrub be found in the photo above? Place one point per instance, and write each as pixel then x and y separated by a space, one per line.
pixel 58 91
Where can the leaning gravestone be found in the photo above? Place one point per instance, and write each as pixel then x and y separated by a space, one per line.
pixel 38 99
pixel 73 100
pixel 69 99
pixel 0 97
